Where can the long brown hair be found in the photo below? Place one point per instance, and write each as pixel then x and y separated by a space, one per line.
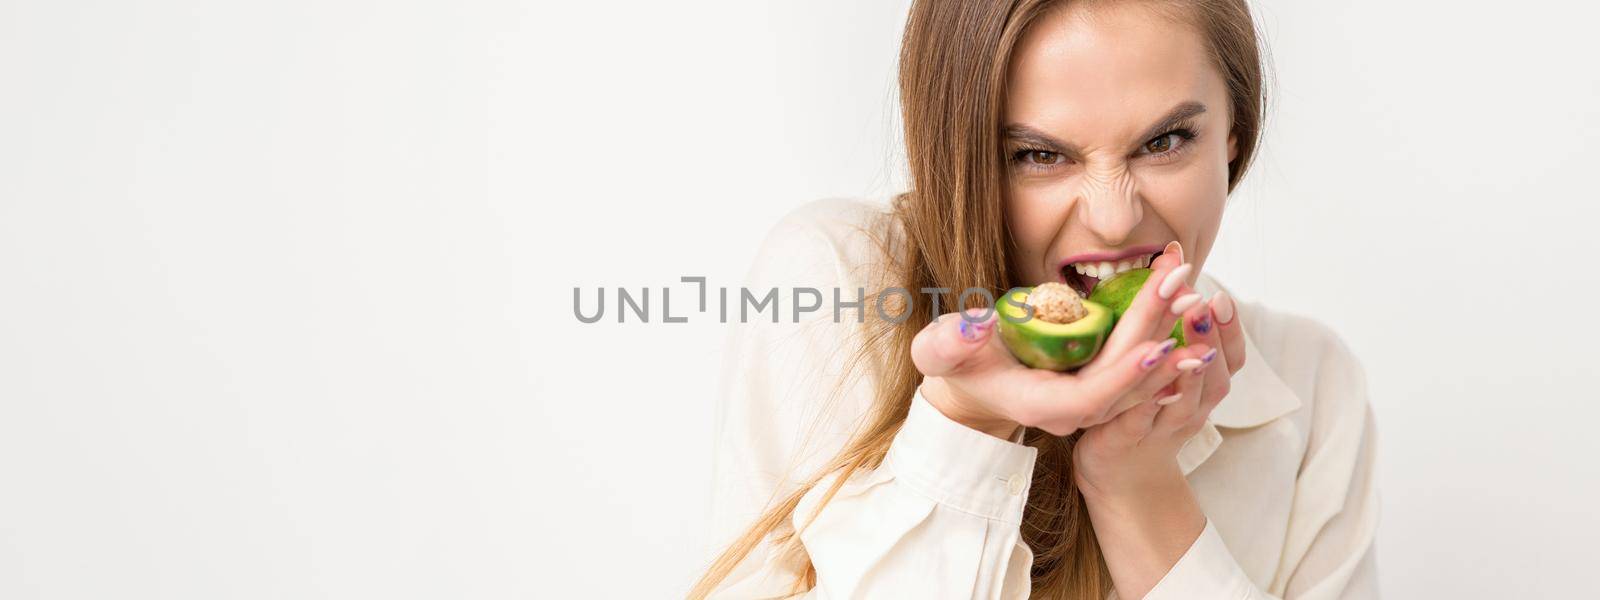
pixel 954 56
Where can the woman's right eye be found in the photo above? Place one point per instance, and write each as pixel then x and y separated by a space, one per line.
pixel 1038 158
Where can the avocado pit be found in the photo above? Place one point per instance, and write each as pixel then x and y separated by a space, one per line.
pixel 1056 303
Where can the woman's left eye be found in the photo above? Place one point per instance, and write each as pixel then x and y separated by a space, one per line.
pixel 1167 142
pixel 1161 144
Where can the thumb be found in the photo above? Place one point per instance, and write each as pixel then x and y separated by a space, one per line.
pixel 947 344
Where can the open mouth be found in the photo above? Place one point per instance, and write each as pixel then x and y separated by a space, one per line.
pixel 1082 276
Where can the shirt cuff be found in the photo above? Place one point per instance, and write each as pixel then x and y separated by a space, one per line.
pixel 1207 570
pixel 961 467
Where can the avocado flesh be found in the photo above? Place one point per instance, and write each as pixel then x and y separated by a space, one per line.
pixel 1041 344
pixel 1118 292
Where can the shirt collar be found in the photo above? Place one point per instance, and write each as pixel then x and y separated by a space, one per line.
pixel 1256 394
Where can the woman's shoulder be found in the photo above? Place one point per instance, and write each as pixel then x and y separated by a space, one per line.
pixel 834 241
pixel 838 216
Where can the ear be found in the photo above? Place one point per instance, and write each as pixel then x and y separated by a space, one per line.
pixel 1233 147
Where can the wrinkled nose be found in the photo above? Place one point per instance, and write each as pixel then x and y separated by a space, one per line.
pixel 1110 206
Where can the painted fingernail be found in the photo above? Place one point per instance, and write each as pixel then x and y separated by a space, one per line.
pixel 973 331
pixel 1175 249
pixel 1222 304
pixel 1190 364
pixel 1154 355
pixel 1175 277
pixel 1185 302
pixel 1202 325
pixel 1209 355
pixel 1169 399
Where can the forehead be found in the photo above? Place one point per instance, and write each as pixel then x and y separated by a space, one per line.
pixel 1108 70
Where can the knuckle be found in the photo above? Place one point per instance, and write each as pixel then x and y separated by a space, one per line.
pixel 1185 408
pixel 1027 415
pixel 1190 427
pixel 1214 393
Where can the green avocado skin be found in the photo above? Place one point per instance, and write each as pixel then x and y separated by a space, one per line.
pixel 1053 346
pixel 1118 293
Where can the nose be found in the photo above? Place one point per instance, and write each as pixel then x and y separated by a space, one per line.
pixel 1109 205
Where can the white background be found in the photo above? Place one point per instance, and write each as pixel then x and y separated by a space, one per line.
pixel 285 287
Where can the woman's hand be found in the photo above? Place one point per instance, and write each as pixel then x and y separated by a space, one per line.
pixel 1145 515
pixel 1136 452
pixel 973 380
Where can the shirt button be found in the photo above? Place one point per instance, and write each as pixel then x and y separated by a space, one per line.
pixel 1014 484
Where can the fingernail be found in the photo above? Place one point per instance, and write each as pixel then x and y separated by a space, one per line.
pixel 1175 249
pixel 1190 364
pixel 1222 304
pixel 1202 325
pixel 972 331
pixel 1209 355
pixel 1185 303
pixel 1169 286
pixel 1155 354
pixel 1169 399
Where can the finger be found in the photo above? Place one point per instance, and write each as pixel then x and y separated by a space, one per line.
pixel 1202 330
pixel 1160 381
pixel 1224 314
pixel 1135 423
pixel 1060 403
pixel 1155 308
pixel 946 345
pixel 1180 408
pixel 1171 257
pixel 1124 335
pixel 1218 381
pixel 1142 369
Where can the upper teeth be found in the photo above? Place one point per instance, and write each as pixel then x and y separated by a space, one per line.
pixel 1105 269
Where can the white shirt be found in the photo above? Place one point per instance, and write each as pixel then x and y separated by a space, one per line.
pixel 1283 469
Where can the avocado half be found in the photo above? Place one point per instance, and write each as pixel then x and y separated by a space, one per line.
pixel 1118 292
pixel 1055 346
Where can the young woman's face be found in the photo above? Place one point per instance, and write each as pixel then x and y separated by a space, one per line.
pixel 1117 139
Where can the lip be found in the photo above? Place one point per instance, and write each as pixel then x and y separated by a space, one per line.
pixel 1111 255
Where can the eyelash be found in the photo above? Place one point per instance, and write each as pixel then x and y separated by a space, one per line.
pixel 1184 133
pixel 1187 135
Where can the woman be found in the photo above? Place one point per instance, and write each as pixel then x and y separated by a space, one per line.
pixel 1048 141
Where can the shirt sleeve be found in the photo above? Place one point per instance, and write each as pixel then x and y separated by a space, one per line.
pixel 939 518
pixel 1329 551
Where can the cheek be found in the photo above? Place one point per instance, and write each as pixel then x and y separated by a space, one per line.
pixel 1189 199
pixel 1034 213
pixel 1191 190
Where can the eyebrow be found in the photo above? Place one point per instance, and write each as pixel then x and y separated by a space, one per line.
pixel 1028 135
